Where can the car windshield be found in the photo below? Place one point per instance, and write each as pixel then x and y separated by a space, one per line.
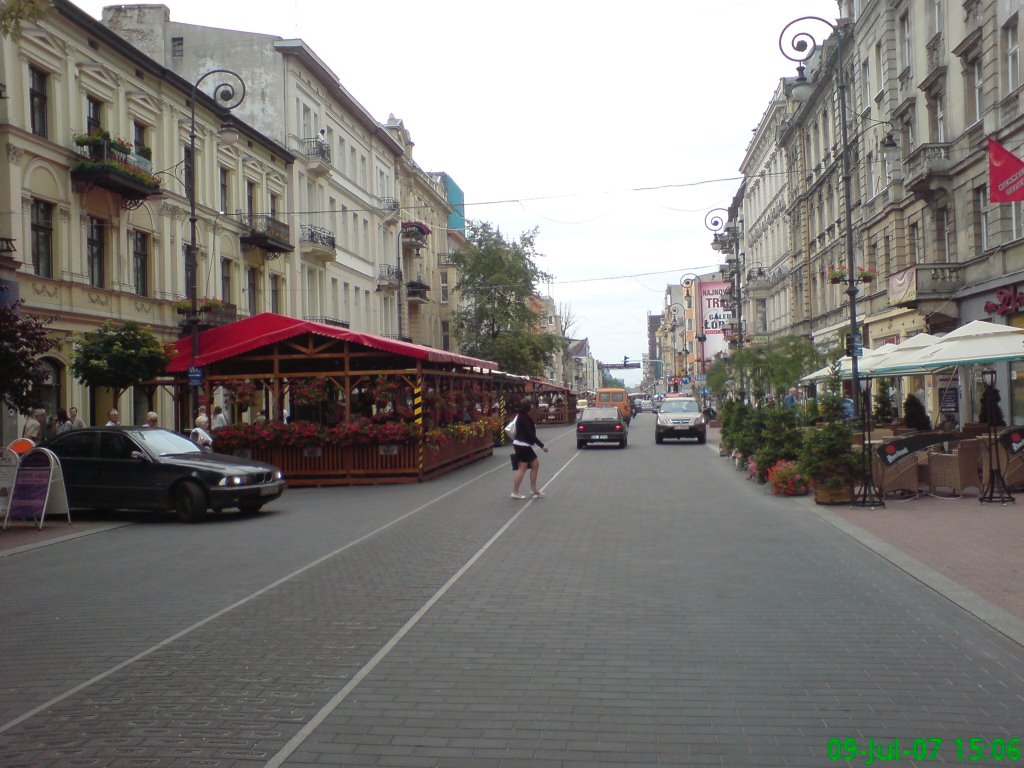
pixel 680 406
pixel 164 443
pixel 600 414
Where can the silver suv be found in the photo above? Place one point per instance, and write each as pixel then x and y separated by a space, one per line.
pixel 680 417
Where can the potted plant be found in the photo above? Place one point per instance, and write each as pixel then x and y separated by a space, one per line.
pixel 827 456
pixel 914 414
pixel 867 274
pixel 837 275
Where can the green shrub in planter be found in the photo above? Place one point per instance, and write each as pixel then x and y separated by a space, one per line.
pixel 779 439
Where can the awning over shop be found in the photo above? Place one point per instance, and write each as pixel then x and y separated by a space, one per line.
pixel 976 343
pixel 258 331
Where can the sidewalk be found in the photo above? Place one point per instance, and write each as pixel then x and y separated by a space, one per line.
pixel 969 552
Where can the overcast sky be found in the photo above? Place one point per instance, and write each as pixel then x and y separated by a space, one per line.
pixel 611 127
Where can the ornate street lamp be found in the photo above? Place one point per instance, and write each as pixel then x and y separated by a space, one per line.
pixel 229 95
pixel 727 235
pixel 800 48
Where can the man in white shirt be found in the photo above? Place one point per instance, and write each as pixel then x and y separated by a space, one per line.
pixel 113 418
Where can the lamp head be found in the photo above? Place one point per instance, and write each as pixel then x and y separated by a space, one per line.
pixel 890 147
pixel 800 89
pixel 228 134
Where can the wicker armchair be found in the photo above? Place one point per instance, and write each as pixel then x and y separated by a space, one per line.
pixel 959 469
pixel 901 477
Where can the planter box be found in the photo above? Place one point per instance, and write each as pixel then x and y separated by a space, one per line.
pixel 833 495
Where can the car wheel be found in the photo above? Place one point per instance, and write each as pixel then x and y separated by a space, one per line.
pixel 190 503
pixel 580 445
pixel 659 439
pixel 702 439
pixel 251 508
pixel 624 442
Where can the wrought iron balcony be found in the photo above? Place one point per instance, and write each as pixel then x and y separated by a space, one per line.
pixel 389 277
pixel 396 337
pixel 389 204
pixel 267 233
pixel 318 154
pixel 114 167
pixel 317 241
pixel 416 291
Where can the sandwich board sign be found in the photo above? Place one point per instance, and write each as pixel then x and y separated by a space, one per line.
pixel 38 488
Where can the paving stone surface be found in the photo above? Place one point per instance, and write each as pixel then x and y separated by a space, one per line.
pixel 653 609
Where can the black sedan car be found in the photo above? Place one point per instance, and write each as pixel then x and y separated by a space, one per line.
pixel 602 425
pixel 156 469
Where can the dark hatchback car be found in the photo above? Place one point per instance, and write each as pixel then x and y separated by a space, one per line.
pixel 156 469
pixel 602 425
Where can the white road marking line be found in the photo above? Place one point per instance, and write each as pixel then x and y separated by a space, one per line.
pixel 178 635
pixel 304 733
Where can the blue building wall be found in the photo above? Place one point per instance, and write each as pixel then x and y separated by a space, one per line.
pixel 457 199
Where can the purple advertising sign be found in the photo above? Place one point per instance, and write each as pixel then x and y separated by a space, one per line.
pixel 31 487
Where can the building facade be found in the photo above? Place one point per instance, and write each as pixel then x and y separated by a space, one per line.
pixel 345 216
pixel 97 139
pixel 924 86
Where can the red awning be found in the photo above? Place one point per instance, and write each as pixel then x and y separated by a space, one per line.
pixel 262 330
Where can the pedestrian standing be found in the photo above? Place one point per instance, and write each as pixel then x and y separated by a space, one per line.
pixel 199 435
pixel 76 423
pixel 63 422
pixel 152 419
pixel 525 439
pixel 33 428
pixel 113 418
pixel 219 417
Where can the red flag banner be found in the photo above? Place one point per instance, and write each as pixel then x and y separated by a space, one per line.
pixel 1005 174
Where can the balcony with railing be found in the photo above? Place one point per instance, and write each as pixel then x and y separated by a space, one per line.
pixel 100 161
pixel 389 277
pixel 317 242
pixel 388 204
pixel 928 169
pixel 266 233
pixel 317 154
pixel 416 291
pixel 920 283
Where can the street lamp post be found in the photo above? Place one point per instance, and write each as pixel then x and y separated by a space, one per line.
pixel 727 235
pixel 228 95
pixel 800 48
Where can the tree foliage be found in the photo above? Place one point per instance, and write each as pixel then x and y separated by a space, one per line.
pixel 118 356
pixel 15 12
pixel 497 279
pixel 23 341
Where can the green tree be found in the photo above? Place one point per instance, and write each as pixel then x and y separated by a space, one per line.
pixel 497 279
pixel 23 341
pixel 14 12
pixel 118 356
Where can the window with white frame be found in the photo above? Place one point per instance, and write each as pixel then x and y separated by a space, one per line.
pixel 95 248
pixel 942 235
pixel 38 95
pixel 869 175
pixel 140 262
pixel 1011 55
pixel 974 84
pixel 444 287
pixel 936 16
pixel 914 243
pixel 42 238
pixel 879 58
pixel 1016 220
pixel 904 42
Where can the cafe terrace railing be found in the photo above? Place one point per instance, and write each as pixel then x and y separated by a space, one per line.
pixel 364 464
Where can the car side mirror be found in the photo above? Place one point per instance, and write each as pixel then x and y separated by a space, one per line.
pixel 138 455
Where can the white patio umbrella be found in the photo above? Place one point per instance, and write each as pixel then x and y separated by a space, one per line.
pixel 845 370
pixel 973 344
pixel 898 353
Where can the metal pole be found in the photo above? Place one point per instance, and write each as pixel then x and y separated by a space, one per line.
pixel 851 276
